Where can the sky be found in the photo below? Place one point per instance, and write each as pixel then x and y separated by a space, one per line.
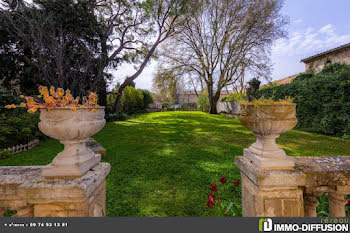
pixel 315 26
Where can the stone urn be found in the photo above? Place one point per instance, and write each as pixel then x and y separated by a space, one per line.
pixel 72 129
pixel 268 121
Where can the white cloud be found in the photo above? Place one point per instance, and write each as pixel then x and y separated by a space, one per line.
pixel 310 41
pixel 144 81
pixel 297 21
pixel 328 29
pixel 287 53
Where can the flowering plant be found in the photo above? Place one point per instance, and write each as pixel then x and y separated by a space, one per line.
pixel 220 197
pixel 56 98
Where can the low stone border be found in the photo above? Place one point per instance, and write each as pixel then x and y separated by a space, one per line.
pixel 229 115
pixel 93 145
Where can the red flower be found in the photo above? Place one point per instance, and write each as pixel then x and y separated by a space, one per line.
pixel 222 180
pixel 348 204
pixel 211 200
pixel 236 183
pixel 226 213
pixel 213 187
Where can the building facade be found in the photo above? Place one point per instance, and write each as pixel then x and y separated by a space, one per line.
pixel 316 62
pixel 339 54
pixel 190 97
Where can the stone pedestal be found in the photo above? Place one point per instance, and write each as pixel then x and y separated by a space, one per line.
pixel 270 193
pixel 25 190
pixel 269 162
pixel 93 145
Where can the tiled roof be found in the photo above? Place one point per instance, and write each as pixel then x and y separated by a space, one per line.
pixel 326 52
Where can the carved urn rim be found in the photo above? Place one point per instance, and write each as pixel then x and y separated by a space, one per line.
pixel 70 108
pixel 251 104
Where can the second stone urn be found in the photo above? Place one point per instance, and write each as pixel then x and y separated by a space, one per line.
pixel 268 121
pixel 71 128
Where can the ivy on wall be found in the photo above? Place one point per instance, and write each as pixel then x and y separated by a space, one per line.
pixel 323 100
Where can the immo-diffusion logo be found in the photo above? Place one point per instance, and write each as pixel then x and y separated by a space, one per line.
pixel 265 224
pixel 338 225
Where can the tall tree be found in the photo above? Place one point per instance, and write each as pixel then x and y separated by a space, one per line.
pixel 121 31
pixel 225 39
pixel 57 39
pixel 165 83
pixel 132 22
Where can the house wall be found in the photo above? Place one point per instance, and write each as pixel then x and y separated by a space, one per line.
pixel 186 98
pixel 192 98
pixel 336 57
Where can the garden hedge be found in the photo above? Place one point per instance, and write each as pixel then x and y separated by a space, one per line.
pixel 323 100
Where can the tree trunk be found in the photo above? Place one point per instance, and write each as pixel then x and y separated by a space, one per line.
pixel 102 92
pixel 213 101
pixel 213 98
pixel 117 104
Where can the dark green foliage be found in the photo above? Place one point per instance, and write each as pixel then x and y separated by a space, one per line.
pixel 234 97
pixel 9 213
pixel 68 35
pixel 203 101
pixel 132 100
pixel 254 83
pixel 5 154
pixel 147 98
pixel 16 125
pixel 166 104
pixel 253 88
pixel 116 117
pixel 6 98
pixel 323 100
pixel 322 209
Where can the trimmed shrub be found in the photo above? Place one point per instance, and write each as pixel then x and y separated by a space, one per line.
pixel 147 98
pixel 116 117
pixel 111 98
pixel 203 101
pixel 323 100
pixel 132 100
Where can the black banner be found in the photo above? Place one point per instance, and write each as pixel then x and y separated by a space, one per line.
pixel 174 224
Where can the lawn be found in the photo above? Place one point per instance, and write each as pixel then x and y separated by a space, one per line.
pixel 162 164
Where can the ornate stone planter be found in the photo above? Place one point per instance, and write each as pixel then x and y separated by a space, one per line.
pixel 268 121
pixel 72 128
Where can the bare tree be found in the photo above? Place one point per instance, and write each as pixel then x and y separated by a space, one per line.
pixel 226 39
pixel 165 85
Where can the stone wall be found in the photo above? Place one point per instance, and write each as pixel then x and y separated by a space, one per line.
pixel 292 193
pixel 26 191
pixel 229 107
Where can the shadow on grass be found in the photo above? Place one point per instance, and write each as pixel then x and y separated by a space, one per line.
pixel 162 164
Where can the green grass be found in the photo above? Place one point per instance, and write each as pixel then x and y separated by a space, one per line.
pixel 163 163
